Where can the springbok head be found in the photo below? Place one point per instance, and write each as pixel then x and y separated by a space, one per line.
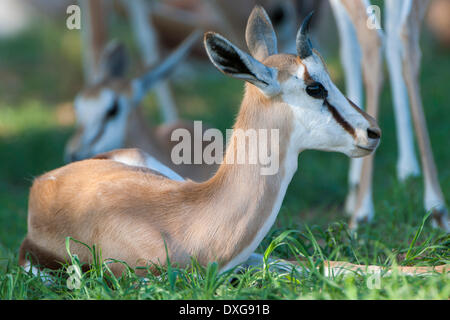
pixel 322 117
pixel 103 110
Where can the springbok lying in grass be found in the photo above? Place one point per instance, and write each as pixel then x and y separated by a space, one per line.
pixel 109 116
pixel 139 216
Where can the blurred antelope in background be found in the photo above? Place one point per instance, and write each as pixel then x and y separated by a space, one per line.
pixel 161 25
pixel 107 111
pixel 360 43
pixel 101 127
pixel 109 117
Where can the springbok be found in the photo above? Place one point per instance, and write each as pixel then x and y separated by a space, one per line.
pixel 109 116
pixel 362 60
pixel 140 216
pixel 364 44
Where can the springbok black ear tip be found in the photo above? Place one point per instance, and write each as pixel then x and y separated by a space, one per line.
pixel 307 20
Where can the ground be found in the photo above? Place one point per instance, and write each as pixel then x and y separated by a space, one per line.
pixel 41 72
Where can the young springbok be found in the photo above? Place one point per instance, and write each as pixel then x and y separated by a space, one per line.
pixel 109 117
pixel 140 216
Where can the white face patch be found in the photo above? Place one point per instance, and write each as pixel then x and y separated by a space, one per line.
pixel 315 126
pixel 103 119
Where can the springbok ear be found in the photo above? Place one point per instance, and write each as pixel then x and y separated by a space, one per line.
pixel 259 34
pixel 146 81
pixel 114 60
pixel 234 62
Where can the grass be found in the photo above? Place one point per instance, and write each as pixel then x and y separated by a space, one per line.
pixel 40 70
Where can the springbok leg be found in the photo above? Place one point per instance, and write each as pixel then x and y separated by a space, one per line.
pixel 407 164
pixel 148 44
pixel 412 15
pixel 350 54
pixel 371 44
pixel 93 37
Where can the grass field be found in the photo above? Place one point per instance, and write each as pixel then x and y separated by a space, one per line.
pixel 40 70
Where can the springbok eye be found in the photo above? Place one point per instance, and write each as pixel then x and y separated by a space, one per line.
pixel 112 112
pixel 316 90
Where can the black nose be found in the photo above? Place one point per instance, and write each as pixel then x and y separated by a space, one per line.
pixel 374 133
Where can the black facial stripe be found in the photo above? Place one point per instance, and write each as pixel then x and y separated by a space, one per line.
pixel 99 133
pixel 111 113
pixel 342 122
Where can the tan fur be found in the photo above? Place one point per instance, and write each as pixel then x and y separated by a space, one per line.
pixel 128 211
pixel 133 214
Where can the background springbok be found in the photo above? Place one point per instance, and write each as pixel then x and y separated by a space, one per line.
pixel 109 116
pixel 361 43
pixel 134 214
pixel 160 25
pixel 105 72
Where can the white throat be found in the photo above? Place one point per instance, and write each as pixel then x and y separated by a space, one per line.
pixel 289 165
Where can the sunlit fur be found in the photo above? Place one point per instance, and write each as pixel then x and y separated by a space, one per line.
pixel 131 213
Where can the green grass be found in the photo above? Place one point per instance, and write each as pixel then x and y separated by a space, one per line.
pixel 41 69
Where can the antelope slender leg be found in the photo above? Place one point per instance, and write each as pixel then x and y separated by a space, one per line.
pixel 372 74
pixel 93 37
pixel 407 164
pixel 412 14
pixel 350 52
pixel 148 45
pixel 364 209
pixel 371 44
